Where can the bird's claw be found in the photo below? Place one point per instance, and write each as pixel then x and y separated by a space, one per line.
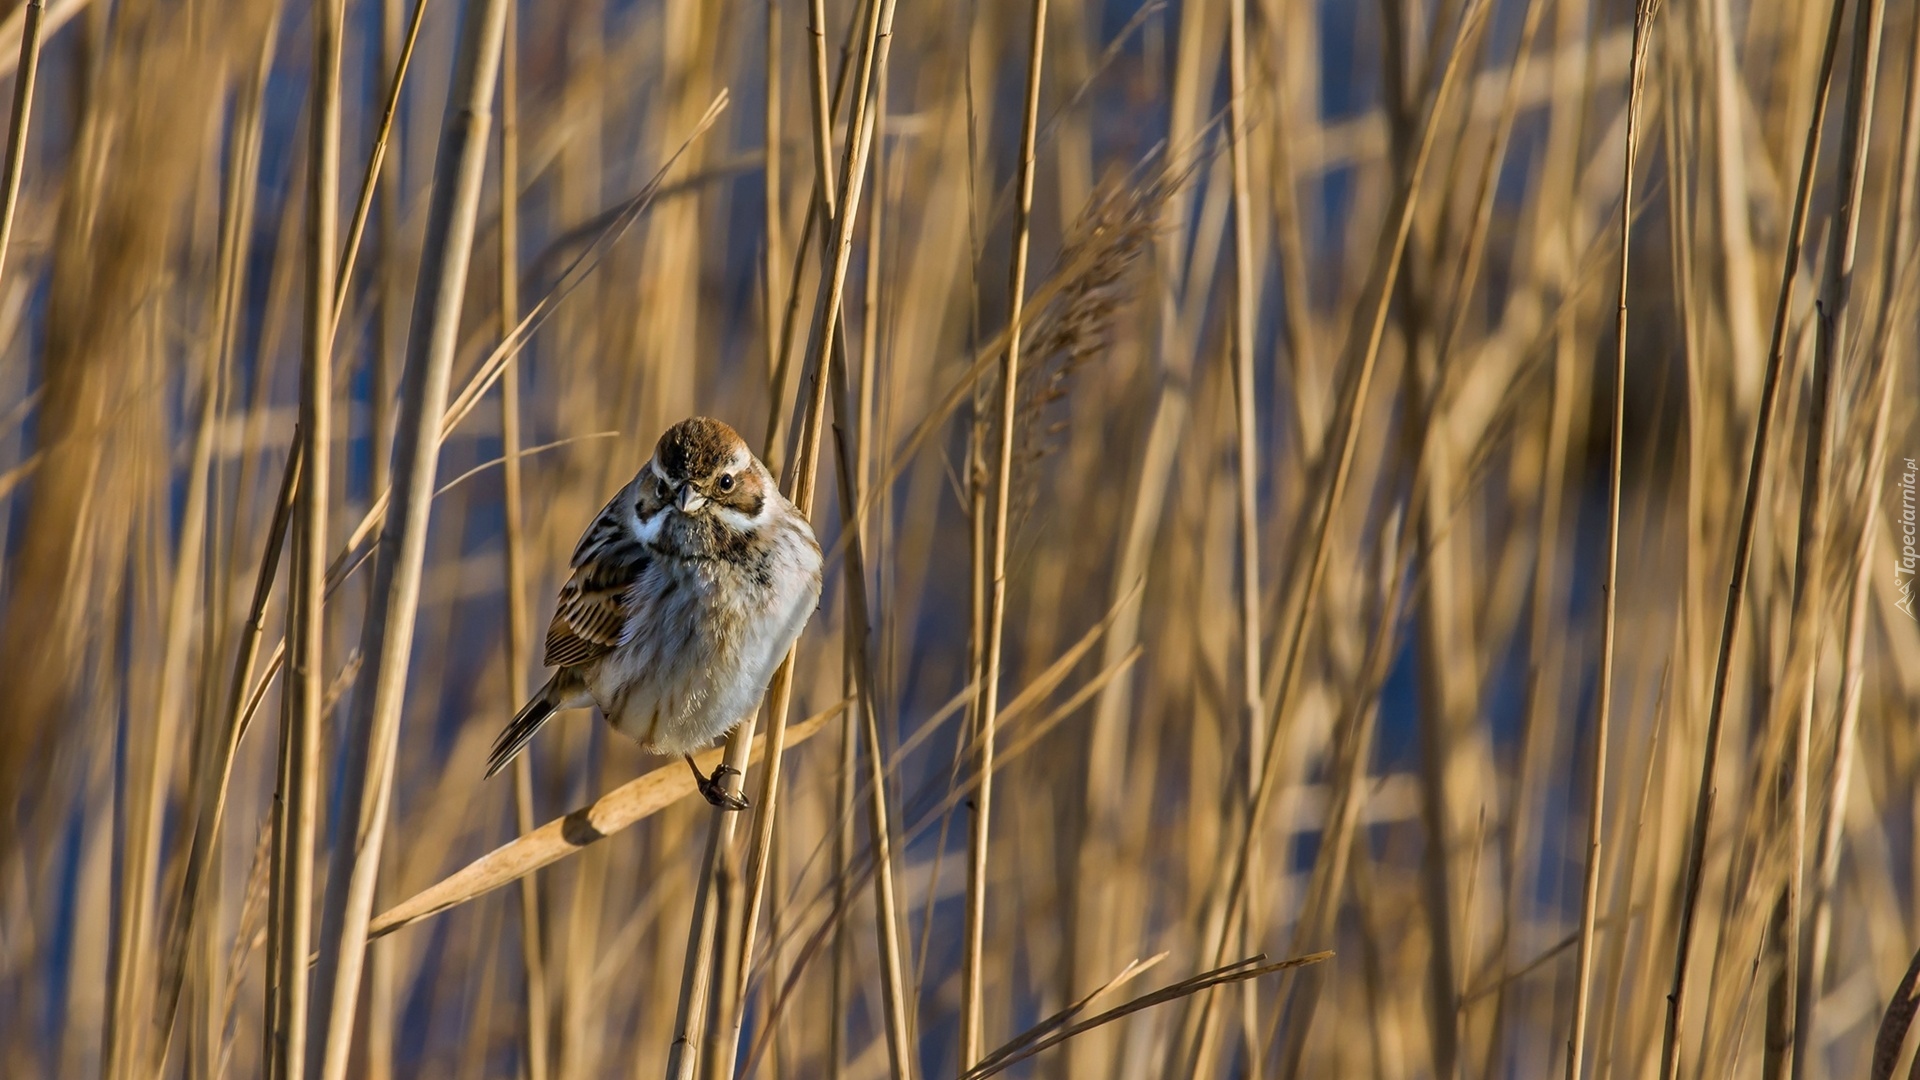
pixel 714 789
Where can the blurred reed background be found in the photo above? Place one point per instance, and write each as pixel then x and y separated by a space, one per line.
pixel 1254 557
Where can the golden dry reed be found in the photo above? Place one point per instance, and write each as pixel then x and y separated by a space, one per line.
pixel 1363 539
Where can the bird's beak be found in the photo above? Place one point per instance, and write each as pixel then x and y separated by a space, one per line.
pixel 689 500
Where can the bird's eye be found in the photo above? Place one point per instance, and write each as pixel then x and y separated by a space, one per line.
pixel 661 487
pixel 726 481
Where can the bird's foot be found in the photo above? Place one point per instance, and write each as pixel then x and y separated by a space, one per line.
pixel 714 788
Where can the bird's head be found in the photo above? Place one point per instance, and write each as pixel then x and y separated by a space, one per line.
pixel 702 468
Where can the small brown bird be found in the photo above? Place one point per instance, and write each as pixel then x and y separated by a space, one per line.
pixel 687 591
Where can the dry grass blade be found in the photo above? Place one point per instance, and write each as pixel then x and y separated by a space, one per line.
pixel 1250 968
pixel 1051 1024
pixel 363 207
pixel 610 813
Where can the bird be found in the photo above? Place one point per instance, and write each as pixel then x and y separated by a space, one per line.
pixel 686 592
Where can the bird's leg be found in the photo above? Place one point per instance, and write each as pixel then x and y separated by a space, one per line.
pixel 714 787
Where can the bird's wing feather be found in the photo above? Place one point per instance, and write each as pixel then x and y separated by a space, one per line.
pixel 596 605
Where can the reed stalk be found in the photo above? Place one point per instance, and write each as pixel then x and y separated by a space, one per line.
pixel 1643 16
pixel 297 822
pixel 972 978
pixel 532 952
pixel 372 734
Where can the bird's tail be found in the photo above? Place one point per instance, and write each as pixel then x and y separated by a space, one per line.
pixel 530 719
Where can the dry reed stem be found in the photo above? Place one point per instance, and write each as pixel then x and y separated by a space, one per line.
pixel 972 979
pixel 1695 863
pixel 392 608
pixel 1643 16
pixel 1108 730
pixel 297 819
pixel 625 805
pixel 859 636
pixel 1784 1036
pixel 770 194
pixel 13 28
pixel 532 952
pixel 828 348
pixel 1476 249
pixel 696 978
pixel 1352 752
pixel 376 162
pixel 1246 450
pixel 1037 691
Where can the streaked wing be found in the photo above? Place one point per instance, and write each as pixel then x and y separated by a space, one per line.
pixel 597 603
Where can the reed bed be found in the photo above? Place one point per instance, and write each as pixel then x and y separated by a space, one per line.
pixel 1363 539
